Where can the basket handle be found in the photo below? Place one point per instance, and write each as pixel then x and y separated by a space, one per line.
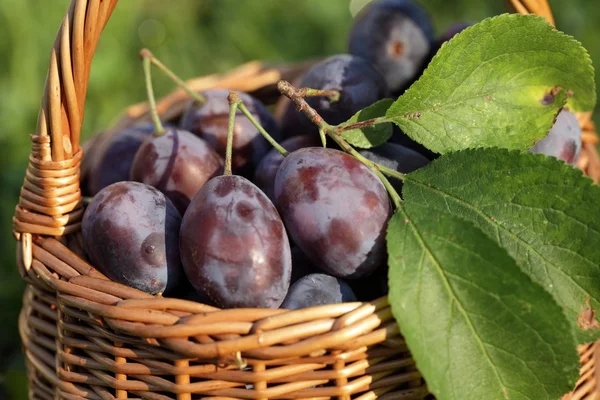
pixel 50 201
pixel 62 109
pixel 539 7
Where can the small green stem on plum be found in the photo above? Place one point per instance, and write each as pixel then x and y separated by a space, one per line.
pixel 158 126
pixel 262 130
pixel 288 90
pixel 390 189
pixel 333 95
pixel 390 172
pixel 200 99
pixel 323 135
pixel 234 103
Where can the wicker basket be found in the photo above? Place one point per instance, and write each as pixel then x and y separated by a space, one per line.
pixel 86 337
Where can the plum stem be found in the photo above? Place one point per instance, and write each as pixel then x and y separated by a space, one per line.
pixel 262 130
pixel 159 129
pixel 288 90
pixel 390 172
pixel 234 103
pixel 333 95
pixel 323 135
pixel 200 99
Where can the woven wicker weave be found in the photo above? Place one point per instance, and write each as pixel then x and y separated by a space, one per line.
pixel 86 337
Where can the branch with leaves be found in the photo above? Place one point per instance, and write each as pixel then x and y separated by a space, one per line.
pixel 493 251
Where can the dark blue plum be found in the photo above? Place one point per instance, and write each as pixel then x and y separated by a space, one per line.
pixel 114 156
pixel 318 290
pixel 185 291
pixel 359 83
pixel 335 209
pixel 234 245
pixel 403 139
pixel 373 286
pixel 89 161
pixel 396 157
pixel 301 265
pixel 211 120
pixel 264 176
pixel 131 233
pixel 177 163
pixel 564 139
pixel 397 37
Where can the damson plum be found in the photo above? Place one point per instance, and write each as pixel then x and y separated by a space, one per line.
pixel 234 245
pixel 185 291
pixel 373 286
pixel 114 155
pixel 89 160
pixel 177 163
pixel 264 176
pixel 399 137
pixel 130 232
pixel 211 120
pixel 336 210
pixel 397 37
pixel 301 265
pixel 564 139
pixel 357 81
pixel 318 290
pixel 396 157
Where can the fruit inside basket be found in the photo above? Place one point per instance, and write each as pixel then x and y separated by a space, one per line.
pixel 406 220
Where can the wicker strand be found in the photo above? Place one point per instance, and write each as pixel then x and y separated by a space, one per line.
pixel 50 201
pixel 119 361
pixel 539 7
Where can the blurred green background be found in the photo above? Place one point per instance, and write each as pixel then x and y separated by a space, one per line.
pixel 194 37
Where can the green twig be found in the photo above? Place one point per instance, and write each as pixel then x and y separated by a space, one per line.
pixel 333 95
pixel 391 172
pixel 323 135
pixel 234 103
pixel 158 126
pixel 262 130
pixel 201 99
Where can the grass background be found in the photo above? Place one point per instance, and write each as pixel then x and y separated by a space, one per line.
pixel 194 37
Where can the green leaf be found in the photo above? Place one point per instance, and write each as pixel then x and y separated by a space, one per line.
pixel 542 211
pixel 490 86
pixel 369 136
pixel 477 327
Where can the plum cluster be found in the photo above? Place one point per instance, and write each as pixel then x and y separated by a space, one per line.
pixel 297 230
